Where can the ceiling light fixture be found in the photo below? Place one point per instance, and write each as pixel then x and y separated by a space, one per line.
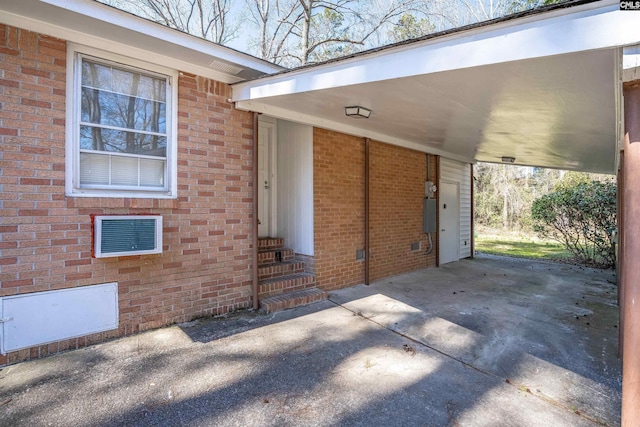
pixel 506 159
pixel 357 112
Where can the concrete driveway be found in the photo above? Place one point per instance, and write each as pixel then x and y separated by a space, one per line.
pixel 483 342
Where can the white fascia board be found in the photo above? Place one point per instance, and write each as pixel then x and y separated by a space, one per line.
pixel 91 8
pixel 69 21
pixel 112 47
pixel 293 116
pixel 582 28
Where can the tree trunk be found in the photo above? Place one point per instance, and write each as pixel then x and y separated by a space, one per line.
pixel 94 110
pixel 263 10
pixel 131 115
pixel 505 199
pixel 306 22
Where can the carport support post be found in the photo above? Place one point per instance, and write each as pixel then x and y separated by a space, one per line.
pixel 620 254
pixel 631 254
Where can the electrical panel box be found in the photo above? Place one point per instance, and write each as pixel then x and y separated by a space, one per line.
pixel 429 211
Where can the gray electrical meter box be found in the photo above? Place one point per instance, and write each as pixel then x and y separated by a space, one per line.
pixel 429 210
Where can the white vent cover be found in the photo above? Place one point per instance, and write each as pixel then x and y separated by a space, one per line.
pixel 225 67
pixel 123 235
pixel 40 318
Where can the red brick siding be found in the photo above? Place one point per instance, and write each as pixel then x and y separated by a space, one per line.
pixel 338 193
pixel 45 240
pixel 396 179
pixel 396 188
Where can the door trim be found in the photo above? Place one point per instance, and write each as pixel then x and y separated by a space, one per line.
pixel 272 125
pixel 457 237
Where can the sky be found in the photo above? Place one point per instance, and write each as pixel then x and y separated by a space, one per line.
pixel 441 14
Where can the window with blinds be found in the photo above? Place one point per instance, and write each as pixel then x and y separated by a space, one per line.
pixel 122 128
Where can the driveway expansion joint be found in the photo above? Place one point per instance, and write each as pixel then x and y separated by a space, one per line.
pixel 520 387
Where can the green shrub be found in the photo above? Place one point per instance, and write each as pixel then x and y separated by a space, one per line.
pixel 582 216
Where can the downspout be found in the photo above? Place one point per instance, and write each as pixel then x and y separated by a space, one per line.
pixel 367 247
pixel 254 266
pixel 438 212
pixel 426 195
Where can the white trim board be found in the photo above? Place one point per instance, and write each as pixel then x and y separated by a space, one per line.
pixel 107 28
pixel 581 28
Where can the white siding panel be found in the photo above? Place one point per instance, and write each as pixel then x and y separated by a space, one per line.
pixel 295 186
pixel 454 171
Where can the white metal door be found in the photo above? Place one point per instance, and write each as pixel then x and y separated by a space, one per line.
pixel 449 222
pixel 266 182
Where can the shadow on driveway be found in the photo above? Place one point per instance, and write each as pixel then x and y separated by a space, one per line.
pixel 482 342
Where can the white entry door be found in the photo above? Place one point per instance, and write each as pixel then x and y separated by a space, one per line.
pixel 449 222
pixel 266 182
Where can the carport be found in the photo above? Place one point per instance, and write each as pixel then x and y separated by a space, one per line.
pixel 556 88
pixel 487 341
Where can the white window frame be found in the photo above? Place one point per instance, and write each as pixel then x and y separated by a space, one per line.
pixel 73 91
pixel 97 235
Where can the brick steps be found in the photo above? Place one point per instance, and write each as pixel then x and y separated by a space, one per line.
pixel 284 284
pixel 292 299
pixel 279 269
pixel 282 280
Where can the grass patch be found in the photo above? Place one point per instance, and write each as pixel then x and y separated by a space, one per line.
pixel 520 246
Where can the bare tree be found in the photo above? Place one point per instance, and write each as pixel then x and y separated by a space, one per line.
pixel 272 18
pixel 504 194
pixel 457 13
pixel 203 18
pixel 297 32
pixel 410 27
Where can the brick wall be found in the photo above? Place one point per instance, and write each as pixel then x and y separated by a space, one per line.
pixel 338 198
pixel 45 237
pixel 396 188
pixel 397 177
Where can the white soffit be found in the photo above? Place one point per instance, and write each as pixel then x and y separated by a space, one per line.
pixel 93 24
pixel 544 89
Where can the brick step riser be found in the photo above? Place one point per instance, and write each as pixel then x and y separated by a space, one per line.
pixel 285 285
pixel 270 244
pixel 280 270
pixel 268 291
pixel 269 257
pixel 283 302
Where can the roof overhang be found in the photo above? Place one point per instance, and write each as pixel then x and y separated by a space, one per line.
pixel 544 88
pixel 93 24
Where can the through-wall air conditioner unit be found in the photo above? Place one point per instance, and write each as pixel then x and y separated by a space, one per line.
pixel 124 235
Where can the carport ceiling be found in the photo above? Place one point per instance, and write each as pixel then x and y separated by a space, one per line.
pixel 551 112
pixel 542 89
